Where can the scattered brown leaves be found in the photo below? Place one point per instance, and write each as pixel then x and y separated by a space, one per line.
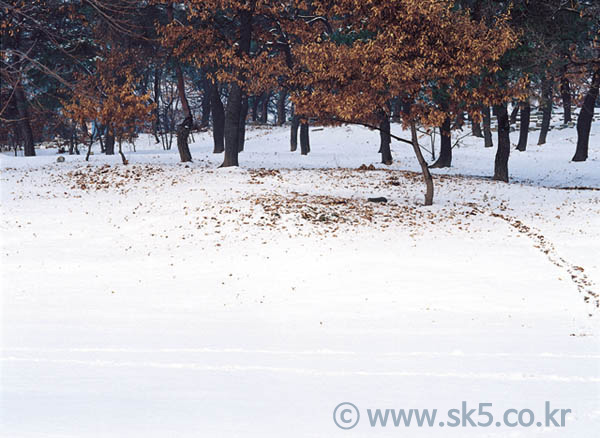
pixel 106 177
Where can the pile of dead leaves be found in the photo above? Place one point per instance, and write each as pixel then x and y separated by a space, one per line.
pixel 106 177
pixel 257 176
pixel 315 209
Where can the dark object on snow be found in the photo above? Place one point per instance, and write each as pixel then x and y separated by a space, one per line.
pixel 365 167
pixel 380 199
pixel 60 159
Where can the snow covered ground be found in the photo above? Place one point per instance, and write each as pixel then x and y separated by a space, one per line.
pixel 168 300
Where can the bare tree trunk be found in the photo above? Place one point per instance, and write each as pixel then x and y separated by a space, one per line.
pixel 232 122
pixel 513 115
pixel 424 169
pixel 89 151
pixel 24 122
pixel 183 133
pixel 397 110
pixel 281 107
pixel 503 152
pixel 524 128
pixel 71 141
pixel 445 158
pixel 207 91
pixel 476 128
pixel 255 104
pixel 242 125
pixel 218 119
pixel 547 87
pixel 565 93
pixel 386 140
pixel 233 111
pixel 184 129
pixel 460 119
pixel 109 146
pixel 102 149
pixel 294 133
pixel 304 139
pixel 24 118
pixel 264 112
pixel 156 122
pixel 17 138
pixel 123 159
pixel 75 137
pixel 584 121
pixel 487 127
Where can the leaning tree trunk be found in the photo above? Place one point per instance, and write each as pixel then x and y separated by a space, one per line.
pixel 503 152
pixel 294 133
pixel 547 87
pixel 304 139
pixel 24 122
pixel 487 127
pixel 184 129
pixel 123 158
pixel 242 125
pixel 183 133
pixel 281 107
pixel 233 111
pixel 424 169
pixel 445 158
pixel 386 139
pixel 565 93
pixel 584 121
pixel 218 119
pixel 524 128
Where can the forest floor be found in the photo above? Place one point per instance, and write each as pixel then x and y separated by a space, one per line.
pixel 162 299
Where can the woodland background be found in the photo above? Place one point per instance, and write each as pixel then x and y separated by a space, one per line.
pixel 83 71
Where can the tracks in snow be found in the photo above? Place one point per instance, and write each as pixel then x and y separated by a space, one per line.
pixel 576 273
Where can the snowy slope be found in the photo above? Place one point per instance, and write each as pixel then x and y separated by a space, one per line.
pixel 162 299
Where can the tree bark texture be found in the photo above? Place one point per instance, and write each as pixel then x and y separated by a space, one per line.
pixel 233 110
pixel 385 140
pixel 584 121
pixel 547 87
pixel 445 158
pixel 294 133
pixel 524 128
pixel 487 127
pixel 304 139
pixel 218 119
pixel 424 169
pixel 503 151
